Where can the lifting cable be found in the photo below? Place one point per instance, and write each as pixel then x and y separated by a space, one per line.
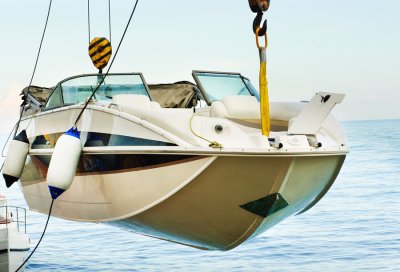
pixel 5 143
pixel 109 68
pixel 41 237
pixel 52 202
pixel 88 18
pixel 24 97
pixel 109 19
pixel 34 70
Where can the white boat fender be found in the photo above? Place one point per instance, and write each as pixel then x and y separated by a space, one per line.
pixel 64 162
pixel 16 157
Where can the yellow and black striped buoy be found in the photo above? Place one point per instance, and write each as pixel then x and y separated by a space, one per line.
pixel 100 52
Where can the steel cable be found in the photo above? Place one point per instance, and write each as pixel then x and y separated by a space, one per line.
pixel 41 237
pixel 34 69
pixel 109 67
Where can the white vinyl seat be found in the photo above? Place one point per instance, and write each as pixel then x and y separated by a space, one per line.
pixel 135 100
pixel 237 107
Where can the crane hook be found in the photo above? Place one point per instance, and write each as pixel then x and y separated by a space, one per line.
pixel 259 5
pixel 257 25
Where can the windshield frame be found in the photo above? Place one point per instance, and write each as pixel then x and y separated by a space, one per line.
pixel 59 86
pixel 195 74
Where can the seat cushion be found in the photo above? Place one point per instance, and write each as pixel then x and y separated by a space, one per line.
pixel 236 106
pixel 135 100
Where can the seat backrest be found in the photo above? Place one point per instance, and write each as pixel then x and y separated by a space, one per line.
pixel 135 100
pixel 237 107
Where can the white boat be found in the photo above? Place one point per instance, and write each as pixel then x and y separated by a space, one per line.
pixel 14 242
pixel 182 162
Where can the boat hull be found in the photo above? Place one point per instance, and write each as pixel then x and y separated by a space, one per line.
pixel 208 202
pixel 219 210
pixel 135 173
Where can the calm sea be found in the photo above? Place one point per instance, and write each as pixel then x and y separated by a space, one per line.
pixel 356 227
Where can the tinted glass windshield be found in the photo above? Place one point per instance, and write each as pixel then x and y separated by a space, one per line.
pixel 218 85
pixel 253 89
pixel 79 89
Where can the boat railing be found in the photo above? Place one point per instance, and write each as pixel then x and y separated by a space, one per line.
pixel 13 214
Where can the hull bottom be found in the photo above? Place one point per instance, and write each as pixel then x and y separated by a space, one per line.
pixel 213 203
pixel 230 203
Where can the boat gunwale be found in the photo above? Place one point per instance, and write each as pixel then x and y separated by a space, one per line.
pixel 183 148
pixel 106 109
pixel 203 151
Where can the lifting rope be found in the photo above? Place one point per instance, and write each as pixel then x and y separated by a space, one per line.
pixel 16 129
pixel 41 237
pixel 109 67
pixel 88 18
pixel 259 6
pixel 24 97
pixel 109 19
pixel 34 70
pixel 18 124
pixel 100 49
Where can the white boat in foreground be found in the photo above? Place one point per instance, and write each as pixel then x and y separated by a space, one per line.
pixel 182 162
pixel 14 242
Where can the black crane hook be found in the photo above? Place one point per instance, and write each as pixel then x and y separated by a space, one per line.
pixel 257 25
pixel 259 5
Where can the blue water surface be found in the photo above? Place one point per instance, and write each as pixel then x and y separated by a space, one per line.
pixel 356 226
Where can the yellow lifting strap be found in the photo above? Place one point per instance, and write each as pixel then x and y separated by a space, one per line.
pixel 100 52
pixel 264 97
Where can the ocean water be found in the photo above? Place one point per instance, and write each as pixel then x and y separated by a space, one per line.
pixel 356 226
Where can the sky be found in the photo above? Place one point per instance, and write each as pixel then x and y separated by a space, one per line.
pixel 350 47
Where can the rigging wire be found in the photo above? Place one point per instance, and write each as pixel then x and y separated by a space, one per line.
pixel 34 69
pixel 93 93
pixel 88 16
pixel 8 138
pixel 41 237
pixel 109 17
pixel 109 67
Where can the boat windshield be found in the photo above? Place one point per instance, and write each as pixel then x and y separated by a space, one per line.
pixel 78 89
pixel 216 86
pixel 253 89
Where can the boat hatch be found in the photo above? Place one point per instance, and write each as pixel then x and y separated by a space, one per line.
pixel 216 85
pixel 78 89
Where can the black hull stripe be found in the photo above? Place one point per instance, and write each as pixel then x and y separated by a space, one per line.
pixel 95 139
